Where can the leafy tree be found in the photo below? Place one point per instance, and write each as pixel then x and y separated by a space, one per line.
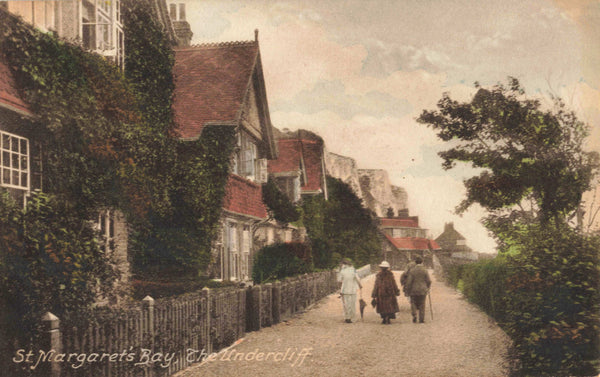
pixel 340 227
pixel 525 151
pixel 550 271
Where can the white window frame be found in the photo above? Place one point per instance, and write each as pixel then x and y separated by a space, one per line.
pixel 14 162
pixel 246 157
pixel 108 29
pixel 106 227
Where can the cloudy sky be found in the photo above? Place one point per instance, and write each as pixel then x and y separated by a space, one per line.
pixel 358 72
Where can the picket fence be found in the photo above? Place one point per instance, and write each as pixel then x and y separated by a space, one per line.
pixel 158 338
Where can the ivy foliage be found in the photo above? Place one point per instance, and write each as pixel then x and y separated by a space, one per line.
pixel 278 203
pixel 109 141
pixel 49 261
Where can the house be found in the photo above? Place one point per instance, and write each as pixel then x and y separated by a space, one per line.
pixel 95 25
pixel 300 168
pixel 403 240
pixel 454 244
pixel 20 152
pixel 222 84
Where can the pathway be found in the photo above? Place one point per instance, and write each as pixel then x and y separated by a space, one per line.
pixel 460 341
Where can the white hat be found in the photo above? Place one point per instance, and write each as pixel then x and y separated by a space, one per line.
pixel 384 264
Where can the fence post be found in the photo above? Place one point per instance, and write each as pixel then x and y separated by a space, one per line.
pixel 276 302
pixel 52 341
pixel 253 308
pixel 208 340
pixel 148 316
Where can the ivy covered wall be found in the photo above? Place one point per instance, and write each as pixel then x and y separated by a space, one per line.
pixel 109 141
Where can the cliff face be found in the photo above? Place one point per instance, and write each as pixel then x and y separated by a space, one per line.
pixel 379 194
pixel 372 186
pixel 344 168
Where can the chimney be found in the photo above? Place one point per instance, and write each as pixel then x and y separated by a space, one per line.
pixel 255 35
pixel 183 30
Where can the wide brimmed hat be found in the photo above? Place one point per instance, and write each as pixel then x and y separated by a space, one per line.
pixel 384 264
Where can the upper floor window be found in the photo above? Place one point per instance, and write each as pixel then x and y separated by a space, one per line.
pixel 244 161
pixel 41 14
pixel 177 11
pixel 101 28
pixel 14 161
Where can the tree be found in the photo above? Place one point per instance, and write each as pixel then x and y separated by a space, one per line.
pixel 390 212
pixel 527 153
pixel 340 227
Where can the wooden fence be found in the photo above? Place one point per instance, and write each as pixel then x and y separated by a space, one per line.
pixel 158 338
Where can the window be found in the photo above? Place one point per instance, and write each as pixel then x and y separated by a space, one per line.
pixel 14 161
pixel 244 163
pixel 101 28
pixel 106 227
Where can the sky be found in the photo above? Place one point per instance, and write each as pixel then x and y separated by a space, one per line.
pixel 359 72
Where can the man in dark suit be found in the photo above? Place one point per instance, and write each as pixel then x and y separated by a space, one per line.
pixel 417 286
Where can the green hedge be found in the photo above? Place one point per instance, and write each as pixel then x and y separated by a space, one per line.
pixel 546 298
pixel 281 260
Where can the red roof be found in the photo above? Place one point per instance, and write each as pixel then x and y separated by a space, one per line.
pixel 291 152
pixel 401 223
pixel 211 83
pixel 413 243
pixel 9 95
pixel 244 197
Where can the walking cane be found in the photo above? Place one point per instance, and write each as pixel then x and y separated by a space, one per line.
pixel 430 307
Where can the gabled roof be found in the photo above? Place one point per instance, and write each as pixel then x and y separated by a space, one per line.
pixel 450 234
pixel 244 197
pixel 301 154
pixel 413 243
pixel 399 223
pixel 9 95
pixel 211 82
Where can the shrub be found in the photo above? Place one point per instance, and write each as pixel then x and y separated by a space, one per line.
pixel 281 260
pixel 553 306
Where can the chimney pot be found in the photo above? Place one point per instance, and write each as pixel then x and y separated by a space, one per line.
pixel 256 35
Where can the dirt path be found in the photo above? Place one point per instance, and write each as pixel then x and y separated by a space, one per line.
pixel 460 341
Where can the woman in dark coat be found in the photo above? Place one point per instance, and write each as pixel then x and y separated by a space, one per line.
pixel 385 292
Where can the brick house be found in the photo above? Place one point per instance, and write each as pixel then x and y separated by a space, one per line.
pixel 222 84
pixel 403 240
pixel 300 168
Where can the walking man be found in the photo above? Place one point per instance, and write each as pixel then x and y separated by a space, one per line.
pixel 350 284
pixel 417 286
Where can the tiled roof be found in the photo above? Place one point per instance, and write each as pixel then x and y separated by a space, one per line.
pixel 9 95
pixel 313 163
pixel 210 83
pixel 291 151
pixel 413 243
pixel 244 197
pixel 402 223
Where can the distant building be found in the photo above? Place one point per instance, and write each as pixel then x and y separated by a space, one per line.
pixel 455 244
pixel 403 240
pixel 299 170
